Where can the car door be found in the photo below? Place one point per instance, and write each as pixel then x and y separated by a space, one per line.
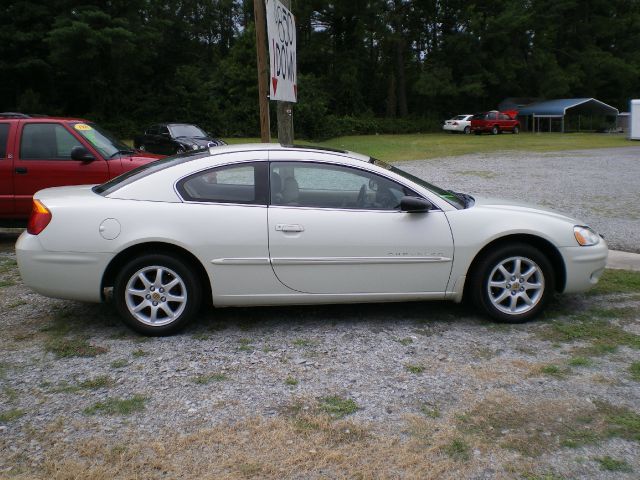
pixel 338 230
pixel 6 172
pixel 166 144
pixel 44 160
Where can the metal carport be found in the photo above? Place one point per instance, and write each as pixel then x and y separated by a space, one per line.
pixel 560 108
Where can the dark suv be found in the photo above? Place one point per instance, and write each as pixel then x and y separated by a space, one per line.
pixel 495 122
pixel 37 152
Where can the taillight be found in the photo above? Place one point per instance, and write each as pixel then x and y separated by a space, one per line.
pixel 39 219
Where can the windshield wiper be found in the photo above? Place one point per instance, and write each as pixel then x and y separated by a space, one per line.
pixel 118 152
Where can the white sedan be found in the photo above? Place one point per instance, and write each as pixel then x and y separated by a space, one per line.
pixel 274 225
pixel 459 123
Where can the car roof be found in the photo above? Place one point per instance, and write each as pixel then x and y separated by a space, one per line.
pixel 38 117
pixel 274 147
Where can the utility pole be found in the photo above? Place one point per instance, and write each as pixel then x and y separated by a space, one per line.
pixel 284 109
pixel 263 72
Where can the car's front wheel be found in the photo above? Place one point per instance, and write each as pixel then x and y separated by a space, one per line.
pixel 516 130
pixel 156 294
pixel 513 283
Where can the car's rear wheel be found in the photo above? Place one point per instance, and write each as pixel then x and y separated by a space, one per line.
pixel 467 130
pixel 157 294
pixel 495 130
pixel 516 130
pixel 513 283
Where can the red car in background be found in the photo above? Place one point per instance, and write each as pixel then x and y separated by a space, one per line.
pixel 40 152
pixel 495 122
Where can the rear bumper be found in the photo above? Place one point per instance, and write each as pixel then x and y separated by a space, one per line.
pixel 584 266
pixel 454 128
pixel 68 275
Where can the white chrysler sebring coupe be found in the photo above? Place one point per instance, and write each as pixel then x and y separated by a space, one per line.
pixel 275 225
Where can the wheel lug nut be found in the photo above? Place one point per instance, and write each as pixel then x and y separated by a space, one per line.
pixel 513 279
pixel 161 290
pixel 513 292
pixel 148 297
pixel 164 299
pixel 508 285
pixel 153 289
pixel 155 304
pixel 522 289
pixel 522 280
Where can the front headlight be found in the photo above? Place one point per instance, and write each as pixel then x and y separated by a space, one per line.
pixel 585 236
pixel 194 146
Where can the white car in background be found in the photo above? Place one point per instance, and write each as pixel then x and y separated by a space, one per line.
pixel 272 225
pixel 460 124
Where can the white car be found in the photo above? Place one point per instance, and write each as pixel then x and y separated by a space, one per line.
pixel 272 225
pixel 460 123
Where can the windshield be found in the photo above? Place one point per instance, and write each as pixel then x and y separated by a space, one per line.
pixel 101 139
pixel 186 131
pixel 446 195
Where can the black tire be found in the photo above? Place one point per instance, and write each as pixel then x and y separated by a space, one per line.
pixel 488 298
pixel 516 130
pixel 467 130
pixel 180 150
pixel 495 130
pixel 187 291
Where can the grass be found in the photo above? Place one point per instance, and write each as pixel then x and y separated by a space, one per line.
pixel 290 381
pixel 10 415
pixel 118 406
pixel 206 379
pixel 139 353
pixel 120 363
pixel 617 281
pixel 634 370
pixel 553 371
pixel 433 145
pixel 6 283
pixel 338 407
pixel 458 449
pixel 529 428
pixel 612 465
pixel 404 341
pixel 430 411
pixel 593 327
pixel 72 347
pixel 245 345
pixel 102 381
pixel 303 343
pixel 414 368
pixel 580 362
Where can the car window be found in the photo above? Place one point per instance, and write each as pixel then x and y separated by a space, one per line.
pixel 100 139
pixel 152 130
pixel 228 184
pixel 4 136
pixel 46 141
pixel 163 130
pixel 186 131
pixel 492 116
pixel 504 116
pixel 331 186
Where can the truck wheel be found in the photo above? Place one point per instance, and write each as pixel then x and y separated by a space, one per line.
pixel 495 130
pixel 516 130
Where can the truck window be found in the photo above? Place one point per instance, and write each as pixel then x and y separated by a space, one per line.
pixel 4 136
pixel 46 141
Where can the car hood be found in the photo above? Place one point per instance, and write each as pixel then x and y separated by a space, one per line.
pixel 513 205
pixel 200 141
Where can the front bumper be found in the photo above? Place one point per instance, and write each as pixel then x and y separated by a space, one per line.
pixel 584 266
pixel 68 275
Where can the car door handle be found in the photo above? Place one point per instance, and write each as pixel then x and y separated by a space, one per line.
pixel 21 170
pixel 282 227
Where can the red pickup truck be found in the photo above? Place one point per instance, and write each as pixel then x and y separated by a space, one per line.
pixel 495 122
pixel 39 152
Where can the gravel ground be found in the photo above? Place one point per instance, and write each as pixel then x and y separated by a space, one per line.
pixel 482 400
pixel 599 187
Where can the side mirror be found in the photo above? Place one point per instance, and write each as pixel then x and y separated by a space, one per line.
pixel 81 154
pixel 415 205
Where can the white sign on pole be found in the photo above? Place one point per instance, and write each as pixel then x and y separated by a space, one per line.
pixel 281 32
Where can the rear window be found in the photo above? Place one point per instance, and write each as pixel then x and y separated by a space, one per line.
pixel 145 170
pixel 4 136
